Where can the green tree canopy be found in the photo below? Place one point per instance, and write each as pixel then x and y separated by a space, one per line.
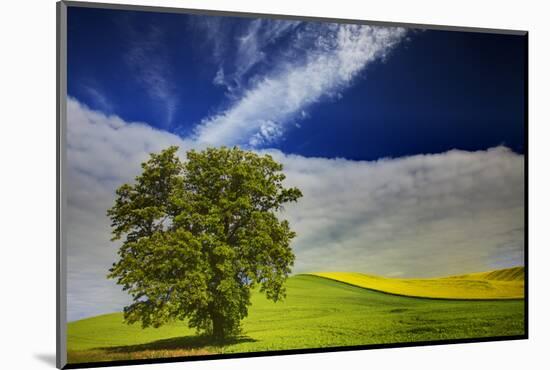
pixel 199 235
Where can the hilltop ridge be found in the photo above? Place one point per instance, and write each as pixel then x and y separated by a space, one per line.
pixel 496 284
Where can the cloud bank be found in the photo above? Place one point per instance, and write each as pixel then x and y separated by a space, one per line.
pixel 423 215
pixel 321 61
pixel 102 153
pixel 418 216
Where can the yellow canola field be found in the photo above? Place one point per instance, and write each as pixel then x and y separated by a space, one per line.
pixel 498 284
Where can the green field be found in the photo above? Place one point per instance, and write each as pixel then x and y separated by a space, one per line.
pixel 317 313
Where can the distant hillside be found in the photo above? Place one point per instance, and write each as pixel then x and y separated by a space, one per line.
pixel 498 284
pixel 509 274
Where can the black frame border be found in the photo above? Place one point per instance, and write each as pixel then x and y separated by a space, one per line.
pixel 61 96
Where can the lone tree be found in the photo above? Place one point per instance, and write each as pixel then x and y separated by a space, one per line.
pixel 199 235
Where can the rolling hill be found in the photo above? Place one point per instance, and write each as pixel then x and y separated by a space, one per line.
pixel 497 284
pixel 317 312
pixel 509 274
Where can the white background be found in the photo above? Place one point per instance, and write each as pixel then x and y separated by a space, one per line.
pixel 27 182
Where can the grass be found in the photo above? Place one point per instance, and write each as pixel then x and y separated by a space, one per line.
pixel 317 313
pixel 498 284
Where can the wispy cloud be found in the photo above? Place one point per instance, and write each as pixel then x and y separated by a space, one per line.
pixel 213 33
pixel 320 62
pixel 148 59
pixel 238 48
pixel 99 99
pixel 422 215
pixel 250 52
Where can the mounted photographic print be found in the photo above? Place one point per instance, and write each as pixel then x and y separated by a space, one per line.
pixel 236 185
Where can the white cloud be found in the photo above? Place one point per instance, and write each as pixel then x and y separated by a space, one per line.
pixel 247 51
pixel 103 152
pixel 219 79
pixel 422 215
pixel 323 60
pixel 251 46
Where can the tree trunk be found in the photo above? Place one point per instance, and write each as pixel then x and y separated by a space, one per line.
pixel 217 327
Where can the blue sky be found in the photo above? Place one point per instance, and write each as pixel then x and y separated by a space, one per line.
pixel 440 90
pixel 407 144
